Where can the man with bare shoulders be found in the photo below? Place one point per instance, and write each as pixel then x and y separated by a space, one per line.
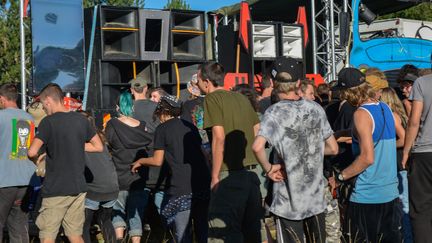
pixel 66 135
pixel 373 213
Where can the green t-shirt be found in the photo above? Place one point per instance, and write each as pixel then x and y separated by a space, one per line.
pixel 234 112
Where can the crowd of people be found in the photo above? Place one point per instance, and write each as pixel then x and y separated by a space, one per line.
pixel 290 161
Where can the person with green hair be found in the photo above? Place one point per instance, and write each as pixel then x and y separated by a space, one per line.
pixel 128 139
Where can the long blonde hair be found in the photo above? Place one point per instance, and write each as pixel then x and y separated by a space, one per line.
pixel 390 97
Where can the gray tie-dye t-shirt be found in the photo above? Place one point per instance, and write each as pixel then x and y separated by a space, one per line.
pixel 298 130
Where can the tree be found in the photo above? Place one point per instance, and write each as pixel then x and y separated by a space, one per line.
pixel 422 11
pixel 177 4
pixel 10 61
pixel 135 3
pixel 10 67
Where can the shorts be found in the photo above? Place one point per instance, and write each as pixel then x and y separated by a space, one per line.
pixel 66 211
pixel 95 205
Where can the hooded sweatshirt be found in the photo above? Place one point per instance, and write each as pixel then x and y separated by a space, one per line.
pixel 128 144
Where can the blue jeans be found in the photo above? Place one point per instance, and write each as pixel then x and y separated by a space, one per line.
pixel 403 196
pixel 94 205
pixel 182 225
pixel 129 209
pixel 158 198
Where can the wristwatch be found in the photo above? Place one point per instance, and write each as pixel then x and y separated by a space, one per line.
pixel 340 178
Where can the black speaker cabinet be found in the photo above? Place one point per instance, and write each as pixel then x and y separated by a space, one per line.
pixel 168 72
pixel 154 34
pixel 227 40
pixel 110 78
pixel 187 41
pixel 264 40
pixel 291 41
pixel 119 33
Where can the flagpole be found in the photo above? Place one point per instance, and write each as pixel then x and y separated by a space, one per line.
pixel 23 66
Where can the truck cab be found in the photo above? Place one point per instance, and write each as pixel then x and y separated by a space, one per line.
pixel 388 53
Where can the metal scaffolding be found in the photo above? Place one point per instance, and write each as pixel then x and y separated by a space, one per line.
pixel 328 54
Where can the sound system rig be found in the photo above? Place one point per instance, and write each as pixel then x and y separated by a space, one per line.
pixel 162 46
pixel 269 40
pixel 275 39
pixel 186 47
pixel 165 47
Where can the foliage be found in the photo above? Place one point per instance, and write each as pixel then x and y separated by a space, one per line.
pixel 135 3
pixel 422 11
pixel 10 61
pixel 177 4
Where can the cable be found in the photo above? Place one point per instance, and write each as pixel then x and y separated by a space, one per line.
pixel 178 79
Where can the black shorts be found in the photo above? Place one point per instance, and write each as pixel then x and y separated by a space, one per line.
pixel 373 222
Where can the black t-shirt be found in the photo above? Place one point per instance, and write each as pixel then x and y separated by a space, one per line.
pixel 99 174
pixel 64 134
pixel 143 111
pixel 332 112
pixel 182 147
pixel 263 104
pixel 344 121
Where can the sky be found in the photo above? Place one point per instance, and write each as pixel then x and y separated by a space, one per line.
pixel 205 5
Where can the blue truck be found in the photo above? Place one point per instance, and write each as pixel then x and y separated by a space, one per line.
pixel 388 53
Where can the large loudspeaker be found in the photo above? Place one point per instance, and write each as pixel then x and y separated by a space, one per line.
pixel 227 40
pixel 187 42
pixel 60 59
pixel 264 39
pixel 185 71
pixel 291 41
pixel 119 36
pixel 111 78
pixel 154 33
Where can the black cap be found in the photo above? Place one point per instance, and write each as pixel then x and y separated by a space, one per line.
pixel 348 78
pixel 409 77
pixel 171 100
pixel 288 65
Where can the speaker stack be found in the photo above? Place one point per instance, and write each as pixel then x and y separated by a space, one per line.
pixel 119 33
pixel 186 45
pixel 292 43
pixel 265 42
pixel 164 47
pixel 117 53
pixel 269 40
pixel 154 32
